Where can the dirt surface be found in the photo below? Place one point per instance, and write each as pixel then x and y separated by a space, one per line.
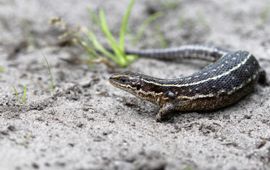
pixel 87 124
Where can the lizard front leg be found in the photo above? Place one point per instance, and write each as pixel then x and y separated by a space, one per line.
pixel 166 110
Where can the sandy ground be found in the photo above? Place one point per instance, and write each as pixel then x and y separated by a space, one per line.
pixel 88 124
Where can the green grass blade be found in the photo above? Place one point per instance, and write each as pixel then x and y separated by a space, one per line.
pixel 91 45
pixel 111 40
pixel 97 45
pixel 88 47
pixel 24 96
pixel 124 25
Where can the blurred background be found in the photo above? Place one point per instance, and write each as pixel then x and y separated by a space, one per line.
pixel 58 112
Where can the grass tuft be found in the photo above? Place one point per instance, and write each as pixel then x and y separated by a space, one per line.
pixel 114 53
pixel 116 45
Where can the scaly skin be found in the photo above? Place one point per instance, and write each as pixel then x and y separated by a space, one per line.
pixel 232 76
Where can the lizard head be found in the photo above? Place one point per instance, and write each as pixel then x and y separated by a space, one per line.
pixel 137 84
pixel 128 81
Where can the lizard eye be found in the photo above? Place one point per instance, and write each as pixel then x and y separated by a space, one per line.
pixel 123 80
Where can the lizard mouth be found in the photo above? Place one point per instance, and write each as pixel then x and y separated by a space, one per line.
pixel 112 79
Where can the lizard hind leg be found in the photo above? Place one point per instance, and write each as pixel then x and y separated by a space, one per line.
pixel 263 78
pixel 165 111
